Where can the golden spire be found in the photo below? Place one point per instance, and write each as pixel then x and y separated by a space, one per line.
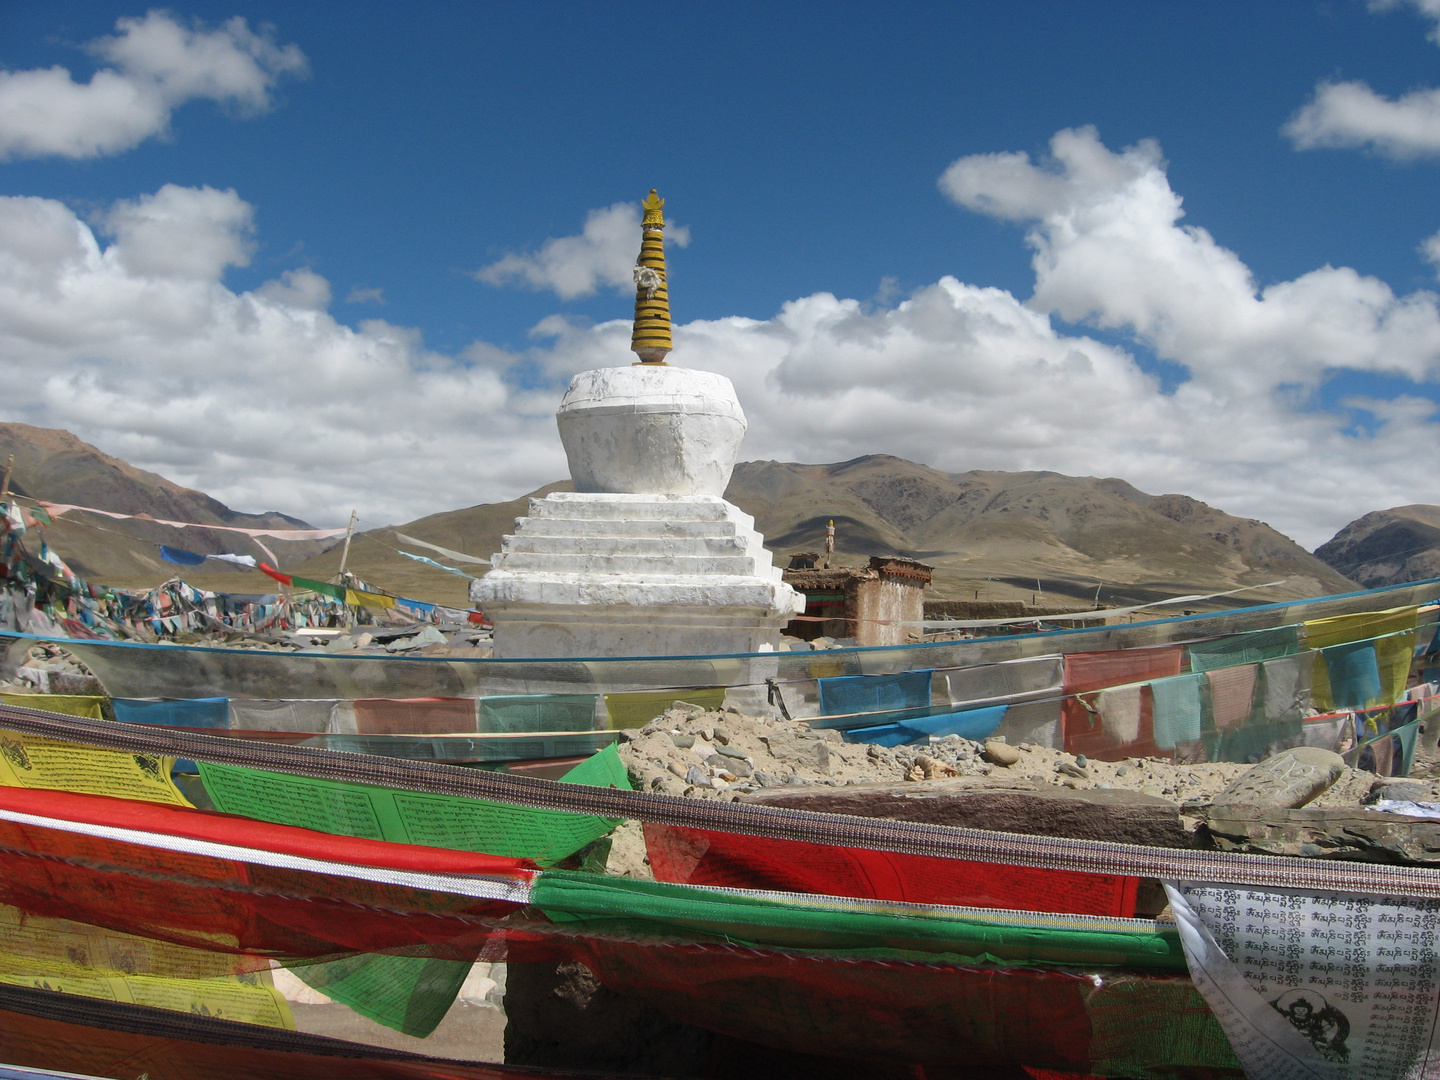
pixel 651 338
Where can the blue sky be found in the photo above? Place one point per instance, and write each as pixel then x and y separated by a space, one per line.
pixel 381 156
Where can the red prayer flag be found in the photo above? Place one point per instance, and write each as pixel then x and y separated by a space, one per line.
pixel 270 571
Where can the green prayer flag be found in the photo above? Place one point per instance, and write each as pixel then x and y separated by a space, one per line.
pixel 335 592
pixel 1248 648
pixel 410 817
pixel 407 993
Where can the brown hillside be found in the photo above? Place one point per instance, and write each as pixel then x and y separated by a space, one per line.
pixel 987 533
pixel 375 555
pixel 990 535
pixel 1387 547
pixel 54 465
pixel 994 533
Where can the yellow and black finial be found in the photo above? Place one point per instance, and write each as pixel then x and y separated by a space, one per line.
pixel 651 338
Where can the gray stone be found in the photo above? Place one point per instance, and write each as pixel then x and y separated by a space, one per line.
pixel 806 749
pixel 1286 781
pixel 1001 753
pixel 684 742
pixel 697 776
pixel 1009 805
pixel 1068 769
pixel 75 682
pixel 1403 789
pixel 740 768
pixel 1353 834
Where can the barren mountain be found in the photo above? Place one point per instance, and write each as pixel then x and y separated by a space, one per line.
pixel 1387 547
pixel 476 531
pixel 994 534
pixel 56 466
pixel 990 534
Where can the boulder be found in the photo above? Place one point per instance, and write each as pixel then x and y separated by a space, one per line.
pixel 1288 780
pixel 1337 833
pixel 1016 806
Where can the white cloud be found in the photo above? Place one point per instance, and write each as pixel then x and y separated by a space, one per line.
pixel 1430 251
pixel 263 399
pixel 1430 9
pixel 157 64
pixel 361 295
pixel 1350 115
pixel 181 232
pixel 260 398
pixel 601 256
pixel 303 289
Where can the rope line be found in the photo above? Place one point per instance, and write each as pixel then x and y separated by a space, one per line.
pixel 945 841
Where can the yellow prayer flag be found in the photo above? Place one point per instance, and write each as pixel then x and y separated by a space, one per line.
pixel 89 706
pixel 1393 635
pixel 359 598
pixel 1343 629
pixel 30 761
pixel 639 708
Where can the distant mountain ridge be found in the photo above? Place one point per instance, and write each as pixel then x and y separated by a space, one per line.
pixel 54 465
pixel 990 535
pixel 995 532
pixel 1387 547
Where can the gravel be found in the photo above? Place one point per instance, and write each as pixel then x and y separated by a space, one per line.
pixel 723 755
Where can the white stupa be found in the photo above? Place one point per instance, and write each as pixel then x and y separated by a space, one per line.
pixel 645 557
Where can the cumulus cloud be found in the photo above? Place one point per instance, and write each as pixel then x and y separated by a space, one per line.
pixel 302 289
pixel 1430 251
pixel 1245 427
pixel 1430 9
pixel 261 398
pixel 265 400
pixel 156 64
pixel 181 232
pixel 601 256
pixel 362 295
pixel 1109 248
pixel 1350 115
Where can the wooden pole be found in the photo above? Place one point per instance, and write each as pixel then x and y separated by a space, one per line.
pixel 345 555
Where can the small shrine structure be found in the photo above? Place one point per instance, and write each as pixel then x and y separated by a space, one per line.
pixel 645 557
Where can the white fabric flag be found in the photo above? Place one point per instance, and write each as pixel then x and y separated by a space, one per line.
pixel 1327 986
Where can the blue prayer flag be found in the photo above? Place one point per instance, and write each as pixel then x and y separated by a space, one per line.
pixel 181 556
pixel 1354 672
pixel 848 694
pixel 973 724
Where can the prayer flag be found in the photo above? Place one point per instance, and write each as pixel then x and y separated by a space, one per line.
pixel 181 556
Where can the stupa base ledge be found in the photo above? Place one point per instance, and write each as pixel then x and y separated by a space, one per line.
pixel 586 595
pixel 642 630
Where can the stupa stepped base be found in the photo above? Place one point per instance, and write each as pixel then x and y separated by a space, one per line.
pixel 634 575
pixel 607 534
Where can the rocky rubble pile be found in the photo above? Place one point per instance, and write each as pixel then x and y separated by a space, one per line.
pixel 47 669
pixel 1304 802
pixel 725 754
